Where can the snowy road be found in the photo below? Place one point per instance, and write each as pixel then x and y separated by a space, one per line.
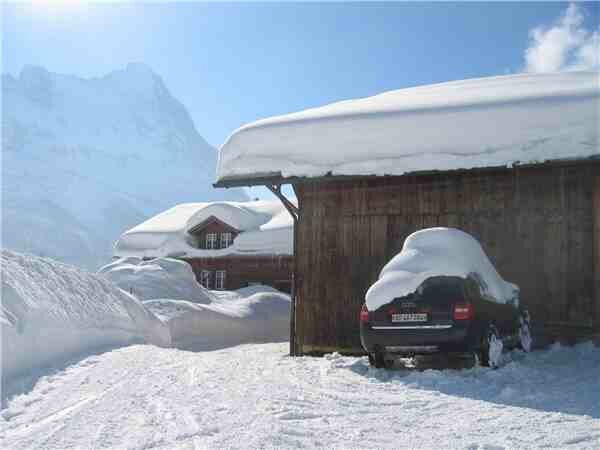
pixel 254 396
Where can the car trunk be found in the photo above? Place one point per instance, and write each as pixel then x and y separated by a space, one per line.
pixel 431 304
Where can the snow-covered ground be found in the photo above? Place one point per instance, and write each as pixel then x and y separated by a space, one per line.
pixel 52 311
pixel 254 396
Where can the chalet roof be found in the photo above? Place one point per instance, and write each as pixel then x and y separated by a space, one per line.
pixel 265 228
pixel 485 122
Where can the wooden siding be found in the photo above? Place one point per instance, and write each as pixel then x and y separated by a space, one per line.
pixel 536 225
pixel 275 271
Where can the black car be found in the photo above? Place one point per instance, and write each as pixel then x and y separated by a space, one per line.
pixel 445 314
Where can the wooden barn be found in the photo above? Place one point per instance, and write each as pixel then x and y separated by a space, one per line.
pixel 229 245
pixel 535 208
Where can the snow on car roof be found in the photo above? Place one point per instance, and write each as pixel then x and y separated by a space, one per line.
pixel 437 252
pixel 485 122
pixel 266 228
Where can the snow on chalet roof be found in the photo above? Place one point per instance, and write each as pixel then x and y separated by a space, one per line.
pixel 266 228
pixel 485 122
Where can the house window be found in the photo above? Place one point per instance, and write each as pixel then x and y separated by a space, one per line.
pixel 225 240
pixel 211 241
pixel 206 279
pixel 220 280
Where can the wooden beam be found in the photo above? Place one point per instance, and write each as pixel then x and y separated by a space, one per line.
pixel 292 209
pixel 596 250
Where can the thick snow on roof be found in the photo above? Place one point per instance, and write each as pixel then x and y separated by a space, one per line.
pixel 266 228
pixel 496 121
pixel 438 252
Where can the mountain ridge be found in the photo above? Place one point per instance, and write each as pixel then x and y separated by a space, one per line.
pixel 77 149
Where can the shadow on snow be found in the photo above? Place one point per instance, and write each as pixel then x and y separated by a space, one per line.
pixel 561 379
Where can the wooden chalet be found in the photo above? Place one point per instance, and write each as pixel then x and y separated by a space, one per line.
pixel 214 241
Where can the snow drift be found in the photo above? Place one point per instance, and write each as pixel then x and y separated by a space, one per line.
pixel 266 228
pixel 496 121
pixel 438 252
pixel 52 311
pixel 256 314
pixel 156 278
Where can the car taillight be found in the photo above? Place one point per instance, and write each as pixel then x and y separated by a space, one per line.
pixel 364 313
pixel 464 311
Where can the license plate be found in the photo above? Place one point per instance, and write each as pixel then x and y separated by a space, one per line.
pixel 409 317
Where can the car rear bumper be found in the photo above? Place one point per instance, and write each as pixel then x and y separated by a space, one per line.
pixel 421 339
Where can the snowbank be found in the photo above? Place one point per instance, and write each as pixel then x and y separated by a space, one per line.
pixel 494 121
pixel 265 228
pixel 257 314
pixel 52 311
pixel 435 252
pixel 157 278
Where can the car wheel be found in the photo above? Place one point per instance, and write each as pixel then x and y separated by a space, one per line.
pixel 379 361
pixel 491 348
pixel 525 340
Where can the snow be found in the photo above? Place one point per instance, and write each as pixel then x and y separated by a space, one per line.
pixel 52 311
pixel 156 278
pixel 438 252
pixel 266 228
pixel 93 157
pixel 495 121
pixel 254 396
pixel 233 318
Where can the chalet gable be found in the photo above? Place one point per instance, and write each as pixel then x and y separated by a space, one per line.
pixel 212 234
pixel 212 224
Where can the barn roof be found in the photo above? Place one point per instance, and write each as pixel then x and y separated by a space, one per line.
pixel 485 122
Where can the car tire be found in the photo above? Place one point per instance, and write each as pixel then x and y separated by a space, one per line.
pixel 378 361
pixel 490 354
pixel 525 339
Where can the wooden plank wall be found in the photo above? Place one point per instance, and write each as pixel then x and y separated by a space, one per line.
pixel 273 270
pixel 535 224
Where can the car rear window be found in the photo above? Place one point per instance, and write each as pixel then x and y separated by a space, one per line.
pixel 440 290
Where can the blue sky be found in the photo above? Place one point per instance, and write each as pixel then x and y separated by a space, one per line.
pixel 232 63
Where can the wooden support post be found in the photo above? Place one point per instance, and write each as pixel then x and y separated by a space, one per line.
pixel 293 210
pixel 596 257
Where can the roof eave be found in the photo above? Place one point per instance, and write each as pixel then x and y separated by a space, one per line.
pixel 275 178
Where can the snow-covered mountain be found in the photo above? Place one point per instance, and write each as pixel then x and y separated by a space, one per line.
pixel 85 159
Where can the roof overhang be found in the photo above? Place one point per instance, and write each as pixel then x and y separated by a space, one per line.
pixel 276 178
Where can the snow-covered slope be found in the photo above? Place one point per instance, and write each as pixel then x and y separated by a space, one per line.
pixel 85 159
pixel 51 311
pixel 494 121
pixel 266 228
pixel 438 252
